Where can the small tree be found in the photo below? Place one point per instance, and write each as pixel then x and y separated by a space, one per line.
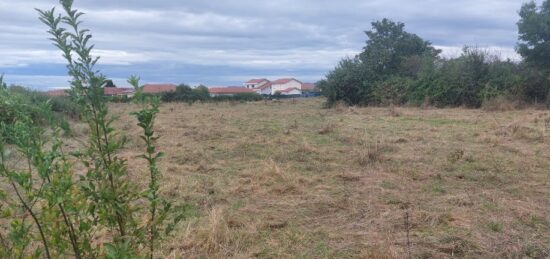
pixel 2 83
pixel 389 46
pixel 534 31
pixel 95 213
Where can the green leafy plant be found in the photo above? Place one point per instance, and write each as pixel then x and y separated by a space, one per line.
pixel 55 211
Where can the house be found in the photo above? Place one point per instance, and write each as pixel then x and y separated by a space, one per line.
pixel 159 88
pixel 57 93
pixel 256 83
pixel 284 86
pixel 229 91
pixel 264 89
pixel 309 87
pixel 116 91
pixel 290 91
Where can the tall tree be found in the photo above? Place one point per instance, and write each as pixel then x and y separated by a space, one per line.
pixel 534 34
pixel 109 83
pixel 390 47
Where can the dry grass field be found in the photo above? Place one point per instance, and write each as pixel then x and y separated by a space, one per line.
pixel 292 180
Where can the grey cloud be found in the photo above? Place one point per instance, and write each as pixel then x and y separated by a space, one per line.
pixel 280 35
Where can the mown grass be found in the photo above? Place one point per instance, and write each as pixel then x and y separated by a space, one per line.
pixel 290 179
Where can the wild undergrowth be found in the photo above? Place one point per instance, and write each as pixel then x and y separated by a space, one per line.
pixel 58 203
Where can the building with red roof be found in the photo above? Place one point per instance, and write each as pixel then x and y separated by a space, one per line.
pixel 159 88
pixel 231 90
pixel 285 86
pixel 256 83
pixel 116 91
pixel 309 87
pixel 57 92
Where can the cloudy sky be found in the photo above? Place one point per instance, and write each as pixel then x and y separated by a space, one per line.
pixel 226 42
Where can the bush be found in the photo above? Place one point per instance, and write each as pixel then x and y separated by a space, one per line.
pixel 83 204
pixel 347 83
pixel 397 67
pixel 240 97
pixel 392 91
pixel 185 93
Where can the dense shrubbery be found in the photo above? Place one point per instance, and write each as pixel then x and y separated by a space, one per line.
pixel 185 93
pixel 240 97
pixel 77 203
pixel 397 67
pixel 17 101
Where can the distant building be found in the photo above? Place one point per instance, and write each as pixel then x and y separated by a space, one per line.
pixel 116 91
pixel 309 87
pixel 284 86
pixel 159 88
pixel 256 83
pixel 228 91
pixel 57 92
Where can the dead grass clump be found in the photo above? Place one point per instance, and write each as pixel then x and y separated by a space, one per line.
pixel 456 246
pixel 400 141
pixel 393 111
pixel 211 236
pixel 280 181
pixel 340 107
pixel 518 131
pixel 79 130
pixel 307 148
pixel 329 128
pixel 455 156
pixel 370 153
pixel 501 103
pixel 192 157
pixel 270 179
pixel 353 110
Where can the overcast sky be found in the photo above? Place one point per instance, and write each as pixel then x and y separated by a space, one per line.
pixel 225 42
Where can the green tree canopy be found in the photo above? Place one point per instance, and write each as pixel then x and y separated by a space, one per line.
pixel 109 83
pixel 390 48
pixel 534 34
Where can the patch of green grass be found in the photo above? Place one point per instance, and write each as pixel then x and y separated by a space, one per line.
pixel 438 188
pixel 186 211
pixel 491 206
pixel 536 222
pixel 433 121
pixel 238 204
pixel 388 185
pixel 495 226
pixel 392 200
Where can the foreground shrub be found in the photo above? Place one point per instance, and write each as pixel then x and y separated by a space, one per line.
pixel 51 210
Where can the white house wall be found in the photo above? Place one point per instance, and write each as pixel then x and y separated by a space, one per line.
pixel 293 92
pixel 281 87
pixel 267 90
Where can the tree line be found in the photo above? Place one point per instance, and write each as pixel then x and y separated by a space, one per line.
pixel 397 68
pixel 187 94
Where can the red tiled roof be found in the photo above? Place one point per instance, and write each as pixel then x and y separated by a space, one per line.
pixel 289 90
pixel 158 88
pixel 283 81
pixel 255 81
pixel 265 86
pixel 308 86
pixel 117 91
pixel 57 92
pixel 229 90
